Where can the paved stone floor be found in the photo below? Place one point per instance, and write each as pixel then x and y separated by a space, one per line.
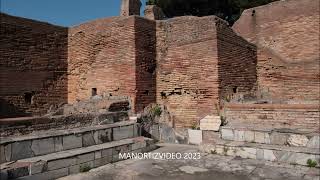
pixel 209 166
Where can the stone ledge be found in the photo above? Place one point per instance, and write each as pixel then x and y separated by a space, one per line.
pixel 47 166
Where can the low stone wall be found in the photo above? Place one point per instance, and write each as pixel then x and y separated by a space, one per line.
pixel 282 115
pixel 72 162
pixel 13 149
pixel 23 126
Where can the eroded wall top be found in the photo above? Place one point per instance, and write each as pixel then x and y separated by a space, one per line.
pixel 289 28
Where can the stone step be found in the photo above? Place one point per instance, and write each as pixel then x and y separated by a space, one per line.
pixel 46 142
pixel 275 136
pixel 63 163
pixel 279 153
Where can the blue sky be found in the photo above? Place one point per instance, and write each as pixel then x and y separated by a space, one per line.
pixel 62 12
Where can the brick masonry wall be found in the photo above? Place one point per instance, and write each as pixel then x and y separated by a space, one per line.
pixel 33 60
pixel 287 34
pixel 114 55
pixel 199 61
pixel 187 67
pixel 145 45
pixel 277 115
pixel 101 55
pixel 237 63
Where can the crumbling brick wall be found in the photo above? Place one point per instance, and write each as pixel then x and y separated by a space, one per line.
pixel 305 116
pixel 199 61
pixel 287 34
pixel 145 45
pixel 236 64
pixel 116 57
pixel 33 66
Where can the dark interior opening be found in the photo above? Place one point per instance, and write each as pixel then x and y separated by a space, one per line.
pixel 28 98
pixel 94 92
pixel 235 89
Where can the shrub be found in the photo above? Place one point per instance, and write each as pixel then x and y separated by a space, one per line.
pixel 85 168
pixel 156 111
pixel 312 163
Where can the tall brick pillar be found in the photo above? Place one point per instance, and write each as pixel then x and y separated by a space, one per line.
pixel 130 7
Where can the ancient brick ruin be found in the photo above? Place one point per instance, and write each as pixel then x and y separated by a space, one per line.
pixel 190 64
pixel 78 96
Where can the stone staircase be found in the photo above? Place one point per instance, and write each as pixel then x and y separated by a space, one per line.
pixel 51 154
pixel 288 145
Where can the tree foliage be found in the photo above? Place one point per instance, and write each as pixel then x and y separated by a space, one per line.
pixel 229 10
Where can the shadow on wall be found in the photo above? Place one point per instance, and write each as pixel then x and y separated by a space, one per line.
pixel 33 71
pixel 238 59
pixel 145 43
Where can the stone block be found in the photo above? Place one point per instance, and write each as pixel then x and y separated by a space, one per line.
pixel 139 145
pixel 58 144
pixel 267 138
pixel 122 132
pixel 227 134
pixel 38 167
pixel 278 138
pixel 302 158
pixel 269 155
pixel 87 139
pixel 5 153
pixel 210 123
pixel 259 137
pixel 21 150
pixel 102 161
pixel 47 175
pixel 107 152
pixel 260 155
pixel 314 142
pixel 72 142
pixel 238 135
pixel 289 157
pixel 85 158
pixel 136 130
pixel 121 149
pixel 42 146
pixel 194 136
pixel 78 168
pixel 155 132
pixel 249 136
pixel 298 140
pixel 61 163
pixel 97 154
pixel 18 172
pixel 247 153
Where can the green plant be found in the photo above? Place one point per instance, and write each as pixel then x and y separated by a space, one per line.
pixel 156 110
pixel 85 168
pixel 223 121
pixel 195 126
pixel 151 2
pixel 311 163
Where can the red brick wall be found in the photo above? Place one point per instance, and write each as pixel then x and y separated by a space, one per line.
pixel 277 115
pixel 199 61
pixel 287 34
pixel 237 63
pixel 187 56
pixel 115 56
pixel 33 60
pixel 145 44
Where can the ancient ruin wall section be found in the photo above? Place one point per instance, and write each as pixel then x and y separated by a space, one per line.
pixel 145 46
pixel 113 57
pixel 287 34
pixel 102 59
pixel 187 75
pixel 237 63
pixel 33 66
